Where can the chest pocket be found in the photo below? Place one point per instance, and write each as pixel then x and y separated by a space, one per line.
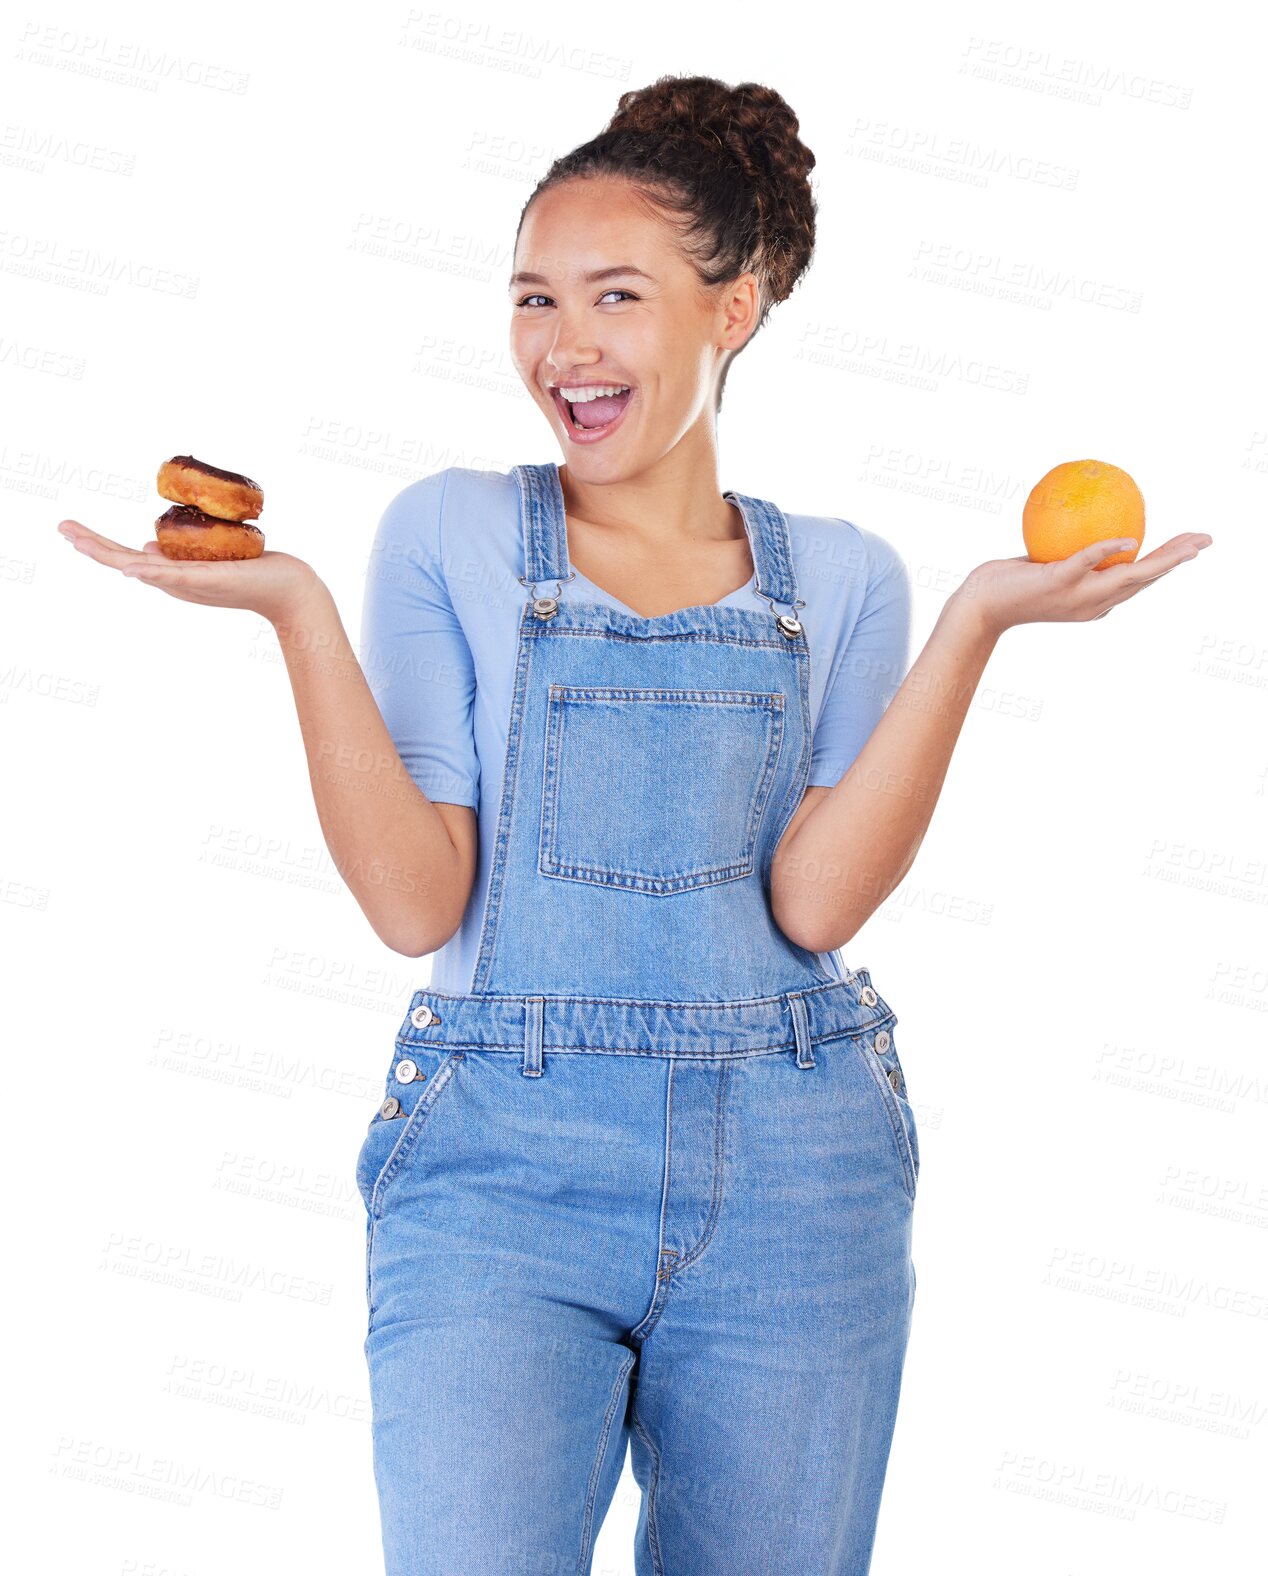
pixel 656 790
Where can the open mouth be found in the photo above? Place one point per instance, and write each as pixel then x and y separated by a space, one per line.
pixel 593 418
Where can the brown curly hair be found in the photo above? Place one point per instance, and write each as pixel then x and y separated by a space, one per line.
pixel 724 165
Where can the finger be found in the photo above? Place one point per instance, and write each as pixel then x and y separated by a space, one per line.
pixel 1080 573
pixel 1129 578
pixel 164 571
pixel 79 532
pixel 97 546
pixel 196 579
pixel 1078 564
pixel 186 580
pixel 1187 545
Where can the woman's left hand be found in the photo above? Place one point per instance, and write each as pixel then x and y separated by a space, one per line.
pixel 1007 591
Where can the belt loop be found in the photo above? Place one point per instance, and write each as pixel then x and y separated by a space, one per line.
pixel 533 1015
pixel 801 1028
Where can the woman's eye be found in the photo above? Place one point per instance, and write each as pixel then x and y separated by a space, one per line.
pixel 524 301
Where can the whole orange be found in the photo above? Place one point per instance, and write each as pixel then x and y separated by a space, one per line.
pixel 1079 502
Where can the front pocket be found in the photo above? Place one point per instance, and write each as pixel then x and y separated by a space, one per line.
pixel 656 790
pixel 394 1135
pixel 878 1050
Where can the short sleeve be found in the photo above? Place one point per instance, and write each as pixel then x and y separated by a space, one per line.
pixel 414 651
pixel 869 669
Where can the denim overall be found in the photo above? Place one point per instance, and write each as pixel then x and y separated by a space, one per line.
pixel 650 1184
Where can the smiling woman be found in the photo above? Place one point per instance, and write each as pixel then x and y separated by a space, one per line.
pixel 642 754
pixel 690 664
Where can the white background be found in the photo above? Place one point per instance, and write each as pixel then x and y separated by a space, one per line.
pixel 280 241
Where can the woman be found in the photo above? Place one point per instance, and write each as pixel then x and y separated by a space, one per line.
pixel 645 1165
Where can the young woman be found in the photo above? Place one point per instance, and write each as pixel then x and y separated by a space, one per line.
pixel 642 755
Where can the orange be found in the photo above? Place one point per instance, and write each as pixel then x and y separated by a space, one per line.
pixel 1079 502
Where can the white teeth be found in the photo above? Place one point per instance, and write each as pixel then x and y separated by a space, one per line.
pixel 582 396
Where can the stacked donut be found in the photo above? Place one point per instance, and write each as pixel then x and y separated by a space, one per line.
pixel 211 513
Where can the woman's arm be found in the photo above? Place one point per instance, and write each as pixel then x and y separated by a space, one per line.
pixel 847 847
pixel 409 862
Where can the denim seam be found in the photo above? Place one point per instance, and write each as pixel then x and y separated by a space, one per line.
pixel 653 1544
pixel 708 1054
pixel 647 1324
pixel 510 774
pixel 625 1001
pixel 683 637
pixel 587 1527
pixel 408 1139
pixel 798 789
pixel 640 881
pixel 719 1157
pixel 561 696
pixel 661 1287
pixel 901 1144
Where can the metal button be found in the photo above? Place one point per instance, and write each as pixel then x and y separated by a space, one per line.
pixel 868 996
pixel 422 1017
pixel 882 1041
pixel 545 607
pixel 895 1078
pixel 406 1071
pixel 390 1107
pixel 789 625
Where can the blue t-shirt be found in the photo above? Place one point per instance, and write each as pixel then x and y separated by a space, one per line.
pixel 438 644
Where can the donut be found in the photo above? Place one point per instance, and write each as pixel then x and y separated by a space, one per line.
pixel 225 495
pixel 186 532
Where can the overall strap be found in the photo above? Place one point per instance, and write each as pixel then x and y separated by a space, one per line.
pixel 771 546
pixel 542 524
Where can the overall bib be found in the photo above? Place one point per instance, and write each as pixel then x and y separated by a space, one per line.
pixel 650 1184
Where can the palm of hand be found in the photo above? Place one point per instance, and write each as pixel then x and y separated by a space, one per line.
pixel 273 584
pixel 1007 591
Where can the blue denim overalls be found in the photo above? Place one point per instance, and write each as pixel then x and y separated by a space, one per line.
pixel 650 1184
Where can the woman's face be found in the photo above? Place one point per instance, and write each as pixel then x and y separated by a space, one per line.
pixel 648 324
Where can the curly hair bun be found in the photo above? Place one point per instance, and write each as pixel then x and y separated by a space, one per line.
pixel 755 128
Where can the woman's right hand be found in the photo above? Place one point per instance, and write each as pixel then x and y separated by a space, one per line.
pixel 275 585
pixel 1008 591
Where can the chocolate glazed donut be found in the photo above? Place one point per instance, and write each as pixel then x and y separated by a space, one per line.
pixel 186 532
pixel 224 495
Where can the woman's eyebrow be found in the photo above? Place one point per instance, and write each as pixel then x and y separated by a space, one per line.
pixel 622 269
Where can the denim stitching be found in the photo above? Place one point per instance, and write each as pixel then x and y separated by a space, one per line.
pixel 797 791
pixel 705 1055
pixel 510 775
pixel 661 1287
pixel 430 1096
pixel 653 1543
pixel 587 1525
pixel 634 881
pixel 423 1107
pixel 647 1324
pixel 642 1001
pixel 719 1157
pixel 755 535
pixel 901 1144
pixel 682 637
pixel 561 696
pixel 753 700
